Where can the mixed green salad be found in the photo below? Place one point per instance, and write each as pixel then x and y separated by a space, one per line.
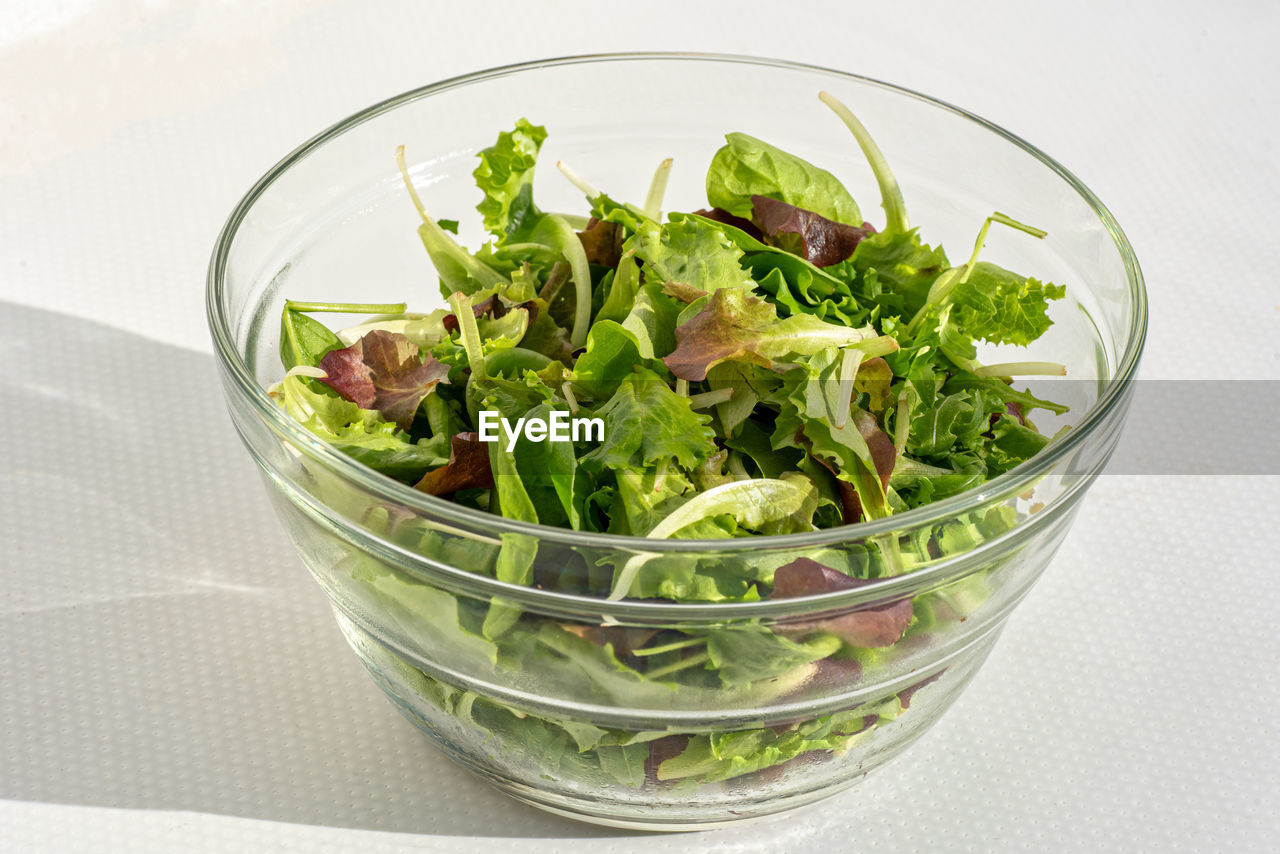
pixel 769 364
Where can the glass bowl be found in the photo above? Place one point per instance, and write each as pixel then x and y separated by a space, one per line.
pixel 602 710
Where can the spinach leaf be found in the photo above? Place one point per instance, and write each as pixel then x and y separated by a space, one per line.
pixel 747 167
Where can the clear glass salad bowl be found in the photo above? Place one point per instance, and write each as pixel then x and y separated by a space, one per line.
pixel 560 712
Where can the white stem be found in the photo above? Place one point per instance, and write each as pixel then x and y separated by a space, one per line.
pixel 408 184
pixel 710 398
pixel 1022 369
pixel 895 208
pixel 849 363
pixel 657 189
pixel 577 180
pixel 569 397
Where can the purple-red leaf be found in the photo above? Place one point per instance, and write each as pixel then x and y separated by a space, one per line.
pixel 383 371
pixel 877 624
pixel 624 639
pixel 468 467
pixel 602 242
pixel 883 452
pixel 736 325
pixel 723 216
pixel 815 238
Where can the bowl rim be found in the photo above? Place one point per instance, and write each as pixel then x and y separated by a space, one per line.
pixel 1011 482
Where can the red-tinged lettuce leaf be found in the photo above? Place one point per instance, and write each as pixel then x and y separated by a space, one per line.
pixel 682 292
pixel 884 457
pixel 624 639
pixel 905 695
pixel 868 626
pixel 660 750
pixel 383 371
pixel 883 453
pixel 494 307
pixel 348 375
pixel 735 325
pixel 723 216
pixel 812 236
pixel 602 241
pixel 468 468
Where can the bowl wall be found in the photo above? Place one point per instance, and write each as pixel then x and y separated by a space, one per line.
pixel 504 677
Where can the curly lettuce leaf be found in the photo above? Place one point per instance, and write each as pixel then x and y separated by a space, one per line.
pixel 691 253
pixel 505 175
pixel 362 434
pixel 383 371
pixel 646 423
pixel 1000 306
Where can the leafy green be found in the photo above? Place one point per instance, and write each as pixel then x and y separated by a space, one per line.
pixel 736 325
pixel 304 340
pixel 747 167
pixel 361 433
pixel 646 423
pixel 782 374
pixel 1002 307
pixel 505 175
pixel 691 253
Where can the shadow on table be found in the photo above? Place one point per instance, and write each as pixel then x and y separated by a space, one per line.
pixel 161 646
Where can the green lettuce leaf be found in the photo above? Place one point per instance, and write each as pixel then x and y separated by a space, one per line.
pixel 689 252
pixel 1000 306
pixel 505 175
pixel 362 434
pixel 896 270
pixel 747 167
pixel 646 423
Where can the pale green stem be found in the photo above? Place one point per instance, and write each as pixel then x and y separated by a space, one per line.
pixel 895 208
pixel 657 189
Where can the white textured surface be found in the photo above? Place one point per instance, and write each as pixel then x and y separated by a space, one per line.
pixel 170 678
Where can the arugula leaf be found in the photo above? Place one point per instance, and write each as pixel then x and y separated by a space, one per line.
pixel 951 420
pixel 1013 443
pixel 899 268
pixel 747 167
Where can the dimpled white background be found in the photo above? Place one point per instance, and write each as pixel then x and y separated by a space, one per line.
pixel 170 677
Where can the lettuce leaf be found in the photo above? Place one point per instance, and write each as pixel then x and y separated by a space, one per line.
pixel 747 167
pixel 505 175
